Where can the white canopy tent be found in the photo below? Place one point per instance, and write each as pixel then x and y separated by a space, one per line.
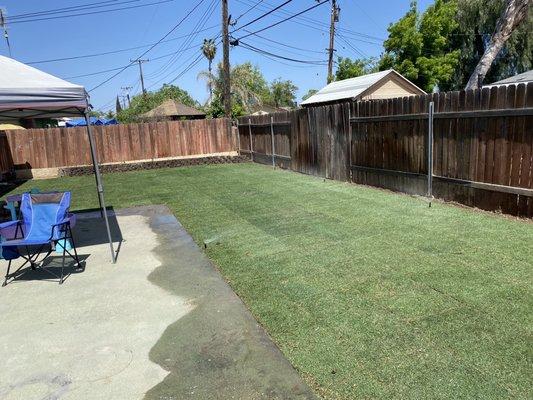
pixel 26 92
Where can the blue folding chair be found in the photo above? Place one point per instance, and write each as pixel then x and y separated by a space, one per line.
pixel 46 223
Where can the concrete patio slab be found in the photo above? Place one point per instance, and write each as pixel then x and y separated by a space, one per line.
pixel 160 324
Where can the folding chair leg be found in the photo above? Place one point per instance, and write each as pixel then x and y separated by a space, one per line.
pixel 62 266
pixel 7 273
pixel 73 246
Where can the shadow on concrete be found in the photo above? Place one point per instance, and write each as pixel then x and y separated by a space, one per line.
pixel 90 229
pixel 52 265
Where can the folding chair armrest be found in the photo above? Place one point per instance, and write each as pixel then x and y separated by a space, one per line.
pixel 9 230
pixel 69 219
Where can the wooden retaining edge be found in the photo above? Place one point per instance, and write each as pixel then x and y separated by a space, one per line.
pixel 462 182
pixel 511 112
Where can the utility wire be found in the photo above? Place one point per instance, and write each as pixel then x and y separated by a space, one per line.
pixel 113 51
pixel 283 20
pixel 247 11
pixel 262 16
pixel 154 45
pixel 129 65
pixel 192 35
pixel 285 45
pixel 261 51
pixel 90 13
pixel 65 9
pixel 319 25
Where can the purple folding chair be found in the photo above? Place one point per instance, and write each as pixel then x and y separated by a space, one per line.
pixel 46 222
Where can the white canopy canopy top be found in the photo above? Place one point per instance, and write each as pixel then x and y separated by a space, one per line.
pixel 28 92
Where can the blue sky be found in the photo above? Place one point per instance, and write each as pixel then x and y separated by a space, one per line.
pixel 363 23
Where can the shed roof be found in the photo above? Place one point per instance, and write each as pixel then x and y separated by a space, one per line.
pixel 524 77
pixel 171 108
pixel 353 88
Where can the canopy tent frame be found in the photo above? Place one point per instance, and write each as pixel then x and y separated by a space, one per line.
pixel 26 92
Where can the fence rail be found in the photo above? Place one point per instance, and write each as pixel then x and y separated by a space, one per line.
pixel 481 153
pixel 62 147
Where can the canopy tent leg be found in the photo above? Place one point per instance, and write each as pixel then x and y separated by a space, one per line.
pixel 99 184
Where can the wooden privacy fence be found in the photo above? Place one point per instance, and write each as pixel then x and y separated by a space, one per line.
pixel 482 149
pixel 6 161
pixel 63 147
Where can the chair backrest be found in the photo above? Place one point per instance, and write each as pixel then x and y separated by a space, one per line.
pixel 41 211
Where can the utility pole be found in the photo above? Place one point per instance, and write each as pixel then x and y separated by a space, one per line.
pixel 141 71
pixel 126 89
pixel 3 26
pixel 225 59
pixel 335 10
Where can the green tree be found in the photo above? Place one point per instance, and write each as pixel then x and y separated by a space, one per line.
pixel 144 103
pixel 309 93
pixel 421 47
pixel 248 88
pixel 209 50
pixel 477 20
pixel 347 68
pixel 283 93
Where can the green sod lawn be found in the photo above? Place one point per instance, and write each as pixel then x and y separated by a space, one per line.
pixel 368 293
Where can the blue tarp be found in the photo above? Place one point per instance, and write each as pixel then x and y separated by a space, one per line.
pixel 94 121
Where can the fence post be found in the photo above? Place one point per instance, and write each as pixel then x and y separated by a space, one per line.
pixel 430 151
pixel 250 132
pixel 272 135
pixel 238 136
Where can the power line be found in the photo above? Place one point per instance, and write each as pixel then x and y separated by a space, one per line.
pixel 320 25
pixel 91 12
pixel 130 64
pixel 268 40
pixel 284 20
pixel 113 51
pixel 261 51
pixel 262 16
pixel 71 8
pixel 155 44
pixel 190 37
pixel 247 11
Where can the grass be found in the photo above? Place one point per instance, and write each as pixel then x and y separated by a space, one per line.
pixel 369 294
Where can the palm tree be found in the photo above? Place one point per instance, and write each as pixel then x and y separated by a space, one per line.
pixel 209 49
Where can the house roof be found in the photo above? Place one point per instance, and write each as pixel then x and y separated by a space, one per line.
pixel 520 78
pixel 171 108
pixel 353 88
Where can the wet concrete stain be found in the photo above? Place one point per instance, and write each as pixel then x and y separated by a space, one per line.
pixel 218 350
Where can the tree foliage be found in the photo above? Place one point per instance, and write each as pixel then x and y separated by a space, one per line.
pixel 347 68
pixel 443 44
pixel 477 21
pixel 283 93
pixel 144 103
pixel 249 89
pixel 310 92
pixel 420 46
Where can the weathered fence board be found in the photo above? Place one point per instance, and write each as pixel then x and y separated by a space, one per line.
pixel 482 148
pixel 61 147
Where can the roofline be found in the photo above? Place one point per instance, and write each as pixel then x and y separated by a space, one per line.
pixel 365 92
pixel 397 74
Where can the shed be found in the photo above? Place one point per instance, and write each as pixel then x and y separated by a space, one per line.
pixel 379 85
pixel 172 110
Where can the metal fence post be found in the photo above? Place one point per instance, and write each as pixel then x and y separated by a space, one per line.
pixel 272 135
pixel 430 151
pixel 250 132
